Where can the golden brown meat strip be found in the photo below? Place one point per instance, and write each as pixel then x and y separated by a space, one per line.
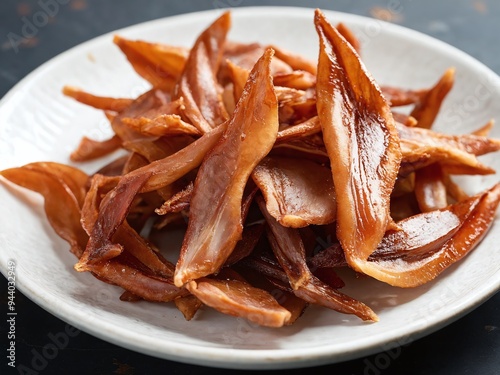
pixel 215 213
pixel 430 242
pixel 427 109
pixel 61 205
pixel 362 143
pixel 238 298
pixel 89 149
pixel 99 102
pixel 198 85
pixel 159 64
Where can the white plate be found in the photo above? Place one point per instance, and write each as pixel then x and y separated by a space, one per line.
pixel 38 123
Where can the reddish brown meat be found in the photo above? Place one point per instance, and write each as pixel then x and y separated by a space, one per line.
pixel 240 299
pixel 298 192
pixel 289 250
pixel 361 141
pixel 198 83
pixel 428 243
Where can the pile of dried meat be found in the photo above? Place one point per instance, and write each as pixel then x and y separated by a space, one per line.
pixel 258 153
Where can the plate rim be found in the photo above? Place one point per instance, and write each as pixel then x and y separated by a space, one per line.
pixel 251 358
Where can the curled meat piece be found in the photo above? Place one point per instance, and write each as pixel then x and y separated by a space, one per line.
pixel 298 192
pixel 362 144
pixel 427 108
pixel 468 143
pixel 456 153
pixel 148 101
pixel 99 102
pixel 308 127
pixel 298 79
pixel 430 242
pixel 89 149
pixel 159 64
pixel 128 273
pixel 62 206
pixel 246 55
pixel 238 298
pixel 296 62
pixel 198 85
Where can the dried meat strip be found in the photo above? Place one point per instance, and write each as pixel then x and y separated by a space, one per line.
pixel 362 143
pixel 215 213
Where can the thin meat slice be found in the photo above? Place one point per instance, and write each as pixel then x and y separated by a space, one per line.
pixel 162 125
pixel 238 298
pixel 349 35
pixel 159 64
pixel 430 242
pixel 126 272
pixel 296 62
pixel 238 77
pixel 308 127
pixel 99 186
pixel 418 155
pixel 74 179
pixel 198 83
pixel 61 206
pixel 215 224
pixel 89 149
pixel 362 144
pixel 161 121
pixel 266 265
pixel 298 192
pixel 298 79
pixel 485 129
pixel 114 209
pixel 456 153
pixel 469 143
pixel 246 55
pixel 138 247
pixel 156 149
pixel 400 97
pixel 289 250
pixel 99 102
pixel 427 109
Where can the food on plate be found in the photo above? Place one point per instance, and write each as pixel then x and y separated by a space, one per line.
pixel 258 155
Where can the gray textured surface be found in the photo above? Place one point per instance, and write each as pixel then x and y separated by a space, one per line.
pixel 470 345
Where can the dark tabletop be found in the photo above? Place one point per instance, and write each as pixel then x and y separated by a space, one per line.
pixel 470 345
